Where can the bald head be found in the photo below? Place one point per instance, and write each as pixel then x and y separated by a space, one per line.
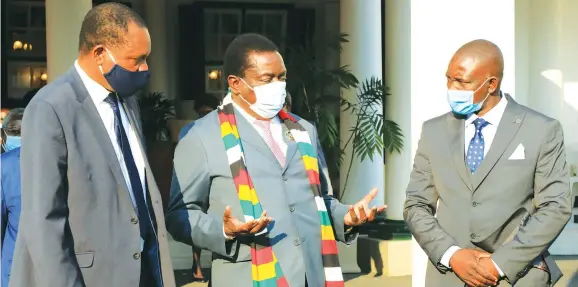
pixel 477 66
pixel 486 54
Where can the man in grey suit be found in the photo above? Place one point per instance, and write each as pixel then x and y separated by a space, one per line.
pixel 91 210
pixel 489 188
pixel 205 208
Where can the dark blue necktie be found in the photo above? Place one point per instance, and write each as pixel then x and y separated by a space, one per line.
pixel 134 177
pixel 150 264
pixel 476 149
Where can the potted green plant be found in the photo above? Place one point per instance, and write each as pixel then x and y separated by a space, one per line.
pixel 156 110
pixel 317 97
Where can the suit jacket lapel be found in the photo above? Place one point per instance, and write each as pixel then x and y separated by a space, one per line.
pixel 507 129
pixel 97 126
pixel 456 129
pixel 291 147
pixel 130 108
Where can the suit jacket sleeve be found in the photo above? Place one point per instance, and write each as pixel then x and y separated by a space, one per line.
pixel 4 214
pixel 335 209
pixel 44 198
pixel 420 207
pixel 552 201
pixel 186 219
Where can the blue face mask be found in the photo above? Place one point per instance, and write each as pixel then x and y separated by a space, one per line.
pixel 462 101
pixel 124 82
pixel 12 142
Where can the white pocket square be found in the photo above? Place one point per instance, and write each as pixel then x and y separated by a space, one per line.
pixel 518 154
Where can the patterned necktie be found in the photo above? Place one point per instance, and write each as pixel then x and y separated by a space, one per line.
pixel 273 145
pixel 476 149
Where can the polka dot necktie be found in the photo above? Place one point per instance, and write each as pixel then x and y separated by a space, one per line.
pixel 476 149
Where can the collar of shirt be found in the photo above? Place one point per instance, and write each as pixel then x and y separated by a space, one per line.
pixel 228 99
pixel 494 116
pixel 97 92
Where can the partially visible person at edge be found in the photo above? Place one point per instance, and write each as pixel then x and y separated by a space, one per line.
pixel 489 189
pixel 288 102
pixel 93 211
pixel 10 180
pixel 257 167
pixel 203 106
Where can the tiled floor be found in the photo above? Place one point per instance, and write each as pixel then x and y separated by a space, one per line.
pixel 569 265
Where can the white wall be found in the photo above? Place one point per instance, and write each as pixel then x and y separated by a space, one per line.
pixel 553 69
pixel 553 80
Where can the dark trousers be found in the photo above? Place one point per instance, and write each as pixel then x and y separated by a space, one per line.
pixel 150 275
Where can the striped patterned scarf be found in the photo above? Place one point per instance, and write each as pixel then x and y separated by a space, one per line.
pixel 266 271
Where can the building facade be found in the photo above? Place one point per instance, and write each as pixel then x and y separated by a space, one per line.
pixel 406 42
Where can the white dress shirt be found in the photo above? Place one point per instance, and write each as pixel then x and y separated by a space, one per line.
pixel 98 93
pixel 493 117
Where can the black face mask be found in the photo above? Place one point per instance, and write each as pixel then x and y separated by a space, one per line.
pixel 124 82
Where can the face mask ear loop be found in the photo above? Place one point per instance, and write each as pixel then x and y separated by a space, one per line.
pixel 111 56
pixel 248 86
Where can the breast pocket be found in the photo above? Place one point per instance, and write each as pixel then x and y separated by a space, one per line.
pixel 85 259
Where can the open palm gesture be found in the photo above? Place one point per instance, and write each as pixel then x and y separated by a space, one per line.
pixel 360 212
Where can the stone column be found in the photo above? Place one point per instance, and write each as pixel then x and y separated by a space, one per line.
pixel 156 19
pixel 361 20
pixel 63 21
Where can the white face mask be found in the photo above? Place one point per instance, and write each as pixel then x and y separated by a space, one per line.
pixel 269 99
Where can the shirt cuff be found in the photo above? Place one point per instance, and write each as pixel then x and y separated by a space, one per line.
pixel 498 268
pixel 445 261
pixel 226 236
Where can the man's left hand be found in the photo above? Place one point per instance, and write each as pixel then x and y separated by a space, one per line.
pixel 360 212
pixel 488 265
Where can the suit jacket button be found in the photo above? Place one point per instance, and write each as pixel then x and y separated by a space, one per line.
pixel 136 256
pixel 291 209
pixel 296 242
pixel 134 220
pixel 473 236
pixel 284 178
pixel 474 204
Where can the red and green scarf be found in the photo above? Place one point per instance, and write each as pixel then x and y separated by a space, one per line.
pixel 266 270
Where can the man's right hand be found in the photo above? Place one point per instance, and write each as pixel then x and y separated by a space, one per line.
pixel 233 227
pixel 466 264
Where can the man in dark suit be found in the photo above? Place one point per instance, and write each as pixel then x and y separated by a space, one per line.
pixel 92 208
pixel 489 192
pixel 10 188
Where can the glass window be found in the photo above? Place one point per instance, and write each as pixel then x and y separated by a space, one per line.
pixel 18 16
pixel 26 42
pixel 215 84
pixel 38 17
pixel 254 23
pixel 221 27
pixel 25 28
pixel 271 23
pixel 25 76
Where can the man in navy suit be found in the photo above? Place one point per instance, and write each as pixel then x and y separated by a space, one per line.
pixel 10 188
